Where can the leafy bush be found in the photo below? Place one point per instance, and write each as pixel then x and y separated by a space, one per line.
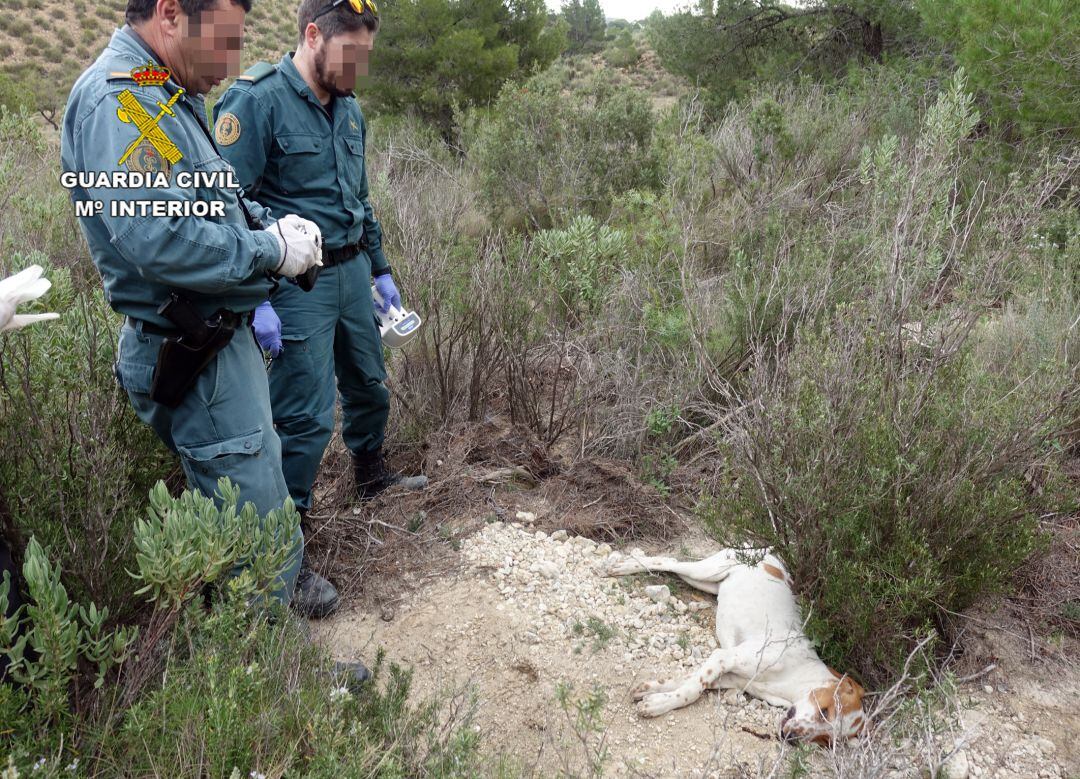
pixel 78 461
pixel 579 262
pixel 888 447
pixel 244 696
pixel 44 645
pixel 438 54
pixel 542 151
pixel 207 693
pixel 624 52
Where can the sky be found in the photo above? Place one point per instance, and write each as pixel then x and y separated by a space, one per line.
pixel 631 10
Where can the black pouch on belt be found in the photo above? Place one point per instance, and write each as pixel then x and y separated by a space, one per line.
pixel 182 358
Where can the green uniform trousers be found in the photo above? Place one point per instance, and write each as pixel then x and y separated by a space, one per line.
pixel 328 334
pixel 223 427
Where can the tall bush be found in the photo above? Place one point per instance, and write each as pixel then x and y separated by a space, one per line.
pixel 542 150
pixel 885 449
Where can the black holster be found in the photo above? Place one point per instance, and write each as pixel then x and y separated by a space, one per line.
pixel 183 357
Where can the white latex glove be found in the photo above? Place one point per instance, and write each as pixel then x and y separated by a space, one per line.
pixel 300 242
pixel 24 286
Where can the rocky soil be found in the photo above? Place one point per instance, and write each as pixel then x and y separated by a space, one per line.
pixel 528 618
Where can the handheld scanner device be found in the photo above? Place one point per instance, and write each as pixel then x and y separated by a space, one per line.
pixel 396 326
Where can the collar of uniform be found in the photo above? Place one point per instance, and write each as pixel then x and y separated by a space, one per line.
pixel 296 81
pixel 127 42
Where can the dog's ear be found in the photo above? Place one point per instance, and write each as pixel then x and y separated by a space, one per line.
pixel 850 693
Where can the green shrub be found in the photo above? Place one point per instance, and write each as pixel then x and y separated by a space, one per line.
pixel 896 500
pixel 624 53
pixel 579 262
pixel 887 444
pixel 238 688
pixel 57 634
pixel 78 461
pixel 542 151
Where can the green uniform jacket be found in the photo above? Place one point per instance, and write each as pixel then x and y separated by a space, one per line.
pixel 216 262
pixel 295 156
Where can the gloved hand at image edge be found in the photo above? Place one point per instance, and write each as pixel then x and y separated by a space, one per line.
pixel 388 291
pixel 300 241
pixel 267 327
pixel 21 288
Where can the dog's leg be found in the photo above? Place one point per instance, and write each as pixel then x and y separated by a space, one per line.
pixel 653 687
pixel 658 698
pixel 723 666
pixel 703 574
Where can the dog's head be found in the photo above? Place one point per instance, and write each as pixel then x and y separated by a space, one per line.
pixel 832 711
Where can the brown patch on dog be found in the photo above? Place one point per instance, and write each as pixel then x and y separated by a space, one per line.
pixel 836 673
pixel 772 570
pixel 847 692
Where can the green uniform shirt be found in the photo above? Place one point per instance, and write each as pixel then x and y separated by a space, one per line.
pixel 214 261
pixel 294 155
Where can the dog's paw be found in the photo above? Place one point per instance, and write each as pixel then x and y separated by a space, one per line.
pixel 656 704
pixel 618 565
pixel 648 688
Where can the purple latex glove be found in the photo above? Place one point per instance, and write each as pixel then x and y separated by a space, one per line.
pixel 267 329
pixel 388 291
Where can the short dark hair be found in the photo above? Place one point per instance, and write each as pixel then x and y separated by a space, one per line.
pixel 341 19
pixel 141 10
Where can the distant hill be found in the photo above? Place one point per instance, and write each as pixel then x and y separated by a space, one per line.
pixel 45 44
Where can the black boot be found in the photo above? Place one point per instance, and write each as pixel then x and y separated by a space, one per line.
pixel 373 477
pixel 314 596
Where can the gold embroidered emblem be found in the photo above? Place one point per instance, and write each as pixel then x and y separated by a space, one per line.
pixel 132 112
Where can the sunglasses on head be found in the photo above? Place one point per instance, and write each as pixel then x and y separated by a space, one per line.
pixel 359 6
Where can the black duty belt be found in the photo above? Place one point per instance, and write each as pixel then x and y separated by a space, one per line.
pixel 229 318
pixel 332 257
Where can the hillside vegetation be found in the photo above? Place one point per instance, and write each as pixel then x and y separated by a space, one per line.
pixel 824 298
pixel 45 44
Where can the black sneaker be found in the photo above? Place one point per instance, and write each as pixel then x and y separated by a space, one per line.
pixel 314 596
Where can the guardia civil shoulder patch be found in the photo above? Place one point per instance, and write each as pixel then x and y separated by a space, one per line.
pixel 227 130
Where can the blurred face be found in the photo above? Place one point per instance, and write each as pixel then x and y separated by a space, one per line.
pixel 209 45
pixel 341 60
pixel 827 713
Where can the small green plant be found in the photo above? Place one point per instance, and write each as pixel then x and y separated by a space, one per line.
pixel 770 132
pixel 657 470
pixel 661 420
pixel 45 639
pixel 583 714
pixel 192 540
pixel 594 627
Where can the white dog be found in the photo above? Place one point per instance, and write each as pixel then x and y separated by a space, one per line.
pixel 763 650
